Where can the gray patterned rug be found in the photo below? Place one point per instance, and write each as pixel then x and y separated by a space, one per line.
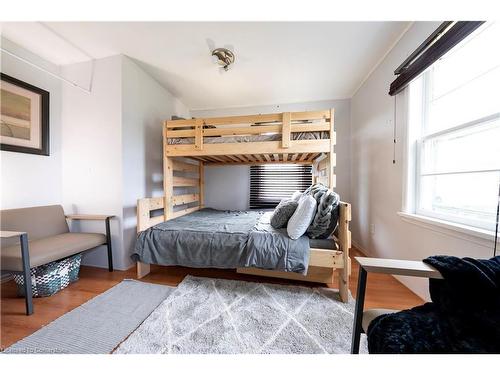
pixel 226 316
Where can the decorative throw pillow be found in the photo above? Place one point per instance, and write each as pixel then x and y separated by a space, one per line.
pixel 296 196
pixel 302 217
pixel 282 213
pixel 327 215
pixel 315 188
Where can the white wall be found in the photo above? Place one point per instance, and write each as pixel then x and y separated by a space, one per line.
pixel 145 105
pixel 32 180
pixel 105 146
pixel 228 187
pixel 112 147
pixel 377 183
pixel 92 152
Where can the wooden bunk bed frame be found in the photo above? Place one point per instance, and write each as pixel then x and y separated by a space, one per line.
pixel 183 161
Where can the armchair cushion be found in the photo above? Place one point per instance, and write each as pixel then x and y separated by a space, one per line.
pixel 48 249
pixel 371 314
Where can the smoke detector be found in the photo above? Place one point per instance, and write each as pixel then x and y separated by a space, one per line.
pixel 223 57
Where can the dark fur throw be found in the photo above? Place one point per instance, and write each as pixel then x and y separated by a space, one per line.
pixel 463 317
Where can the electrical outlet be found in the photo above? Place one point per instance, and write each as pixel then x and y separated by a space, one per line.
pixel 372 229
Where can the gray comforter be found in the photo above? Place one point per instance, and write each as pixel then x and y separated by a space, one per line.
pixel 222 239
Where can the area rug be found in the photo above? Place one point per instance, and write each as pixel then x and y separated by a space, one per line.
pixel 99 325
pixel 226 316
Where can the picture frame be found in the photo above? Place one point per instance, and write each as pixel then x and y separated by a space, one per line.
pixel 24 117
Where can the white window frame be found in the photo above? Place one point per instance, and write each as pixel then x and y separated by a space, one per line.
pixel 425 136
pixel 412 145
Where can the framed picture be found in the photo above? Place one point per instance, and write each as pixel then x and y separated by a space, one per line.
pixel 24 117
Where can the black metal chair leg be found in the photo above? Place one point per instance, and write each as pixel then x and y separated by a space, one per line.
pixel 358 312
pixel 108 244
pixel 26 274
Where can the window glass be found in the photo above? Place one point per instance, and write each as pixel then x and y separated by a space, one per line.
pixel 455 111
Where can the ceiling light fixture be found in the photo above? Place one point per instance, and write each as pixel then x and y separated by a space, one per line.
pixel 224 57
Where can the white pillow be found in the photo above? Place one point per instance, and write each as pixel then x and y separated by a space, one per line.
pixel 296 196
pixel 302 217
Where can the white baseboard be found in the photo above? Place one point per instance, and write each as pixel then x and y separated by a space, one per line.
pixel 360 248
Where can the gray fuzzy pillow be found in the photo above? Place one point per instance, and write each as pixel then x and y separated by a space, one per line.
pixel 327 213
pixel 283 212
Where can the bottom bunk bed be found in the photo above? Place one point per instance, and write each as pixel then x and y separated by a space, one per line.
pixel 241 240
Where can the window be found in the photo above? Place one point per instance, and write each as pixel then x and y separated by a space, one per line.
pixel 270 183
pixel 455 130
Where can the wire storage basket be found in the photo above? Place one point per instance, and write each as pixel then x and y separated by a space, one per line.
pixel 52 277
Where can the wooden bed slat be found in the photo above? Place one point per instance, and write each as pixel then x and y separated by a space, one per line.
pixel 156 220
pixel 311 115
pixel 218 158
pixel 205 159
pixel 260 163
pixel 250 148
pixel 314 274
pixel 184 212
pixel 185 181
pixel 250 119
pixel 185 199
pixel 325 258
pixel 261 129
pixel 184 167
pixel 312 157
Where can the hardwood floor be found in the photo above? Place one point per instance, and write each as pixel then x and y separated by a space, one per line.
pixel 382 291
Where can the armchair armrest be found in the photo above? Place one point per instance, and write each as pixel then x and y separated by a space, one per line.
pixel 88 217
pixel 106 219
pixel 10 234
pixel 398 267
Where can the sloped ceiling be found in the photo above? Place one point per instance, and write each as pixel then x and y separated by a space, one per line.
pixel 276 62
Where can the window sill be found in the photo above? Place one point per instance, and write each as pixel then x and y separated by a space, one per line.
pixel 465 232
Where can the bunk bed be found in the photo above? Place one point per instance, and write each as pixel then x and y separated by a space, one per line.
pixel 189 145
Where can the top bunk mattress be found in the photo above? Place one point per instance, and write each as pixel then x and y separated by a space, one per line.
pixel 250 138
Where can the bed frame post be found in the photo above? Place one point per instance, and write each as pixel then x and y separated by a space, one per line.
pixel 201 189
pixel 332 181
pixel 168 186
pixel 142 224
pixel 168 177
pixel 344 235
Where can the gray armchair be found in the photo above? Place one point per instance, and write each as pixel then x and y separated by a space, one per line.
pixel 34 236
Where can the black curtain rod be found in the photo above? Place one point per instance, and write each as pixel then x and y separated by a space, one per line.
pixel 421 48
pixel 433 48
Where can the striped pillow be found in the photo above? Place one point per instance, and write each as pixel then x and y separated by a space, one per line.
pixel 327 213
